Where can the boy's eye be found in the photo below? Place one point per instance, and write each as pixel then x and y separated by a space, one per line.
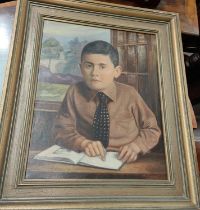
pixel 102 66
pixel 88 65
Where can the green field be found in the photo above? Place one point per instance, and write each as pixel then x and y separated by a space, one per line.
pixel 51 92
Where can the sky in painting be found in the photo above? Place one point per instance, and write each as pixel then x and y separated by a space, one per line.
pixel 66 32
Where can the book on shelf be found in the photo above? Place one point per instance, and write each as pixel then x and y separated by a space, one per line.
pixel 56 153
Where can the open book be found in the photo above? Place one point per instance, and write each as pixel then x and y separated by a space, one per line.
pixel 56 153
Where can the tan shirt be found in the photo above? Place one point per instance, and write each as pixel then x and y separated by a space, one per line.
pixel 130 118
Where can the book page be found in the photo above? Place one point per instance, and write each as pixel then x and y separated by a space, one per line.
pixel 59 154
pixel 111 161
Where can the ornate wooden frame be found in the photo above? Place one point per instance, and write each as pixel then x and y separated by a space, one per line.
pixel 179 191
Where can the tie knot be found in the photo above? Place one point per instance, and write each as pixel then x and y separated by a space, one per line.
pixel 102 97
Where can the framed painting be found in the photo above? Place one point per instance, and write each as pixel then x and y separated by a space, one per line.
pixel 97 113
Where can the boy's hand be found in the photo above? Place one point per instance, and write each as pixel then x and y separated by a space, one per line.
pixel 93 148
pixel 128 153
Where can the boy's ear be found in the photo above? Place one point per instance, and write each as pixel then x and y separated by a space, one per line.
pixel 118 71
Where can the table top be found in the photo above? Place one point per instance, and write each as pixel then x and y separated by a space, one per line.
pixel 149 166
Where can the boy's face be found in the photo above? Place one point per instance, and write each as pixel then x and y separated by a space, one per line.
pixel 98 71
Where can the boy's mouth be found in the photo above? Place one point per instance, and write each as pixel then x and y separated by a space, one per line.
pixel 95 80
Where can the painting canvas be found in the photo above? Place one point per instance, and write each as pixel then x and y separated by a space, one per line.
pixel 59 68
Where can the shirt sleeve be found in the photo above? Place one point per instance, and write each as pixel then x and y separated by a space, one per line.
pixel 65 133
pixel 149 132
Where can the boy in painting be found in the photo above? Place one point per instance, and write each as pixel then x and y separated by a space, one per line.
pixel 100 114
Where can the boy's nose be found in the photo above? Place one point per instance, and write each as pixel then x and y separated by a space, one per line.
pixel 95 70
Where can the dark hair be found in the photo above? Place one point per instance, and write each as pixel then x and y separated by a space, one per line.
pixel 101 47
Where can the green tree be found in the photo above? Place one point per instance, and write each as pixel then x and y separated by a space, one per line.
pixel 51 49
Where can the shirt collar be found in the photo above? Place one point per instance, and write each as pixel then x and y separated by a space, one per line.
pixel 111 92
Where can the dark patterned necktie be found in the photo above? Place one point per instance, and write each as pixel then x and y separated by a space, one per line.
pixel 101 122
